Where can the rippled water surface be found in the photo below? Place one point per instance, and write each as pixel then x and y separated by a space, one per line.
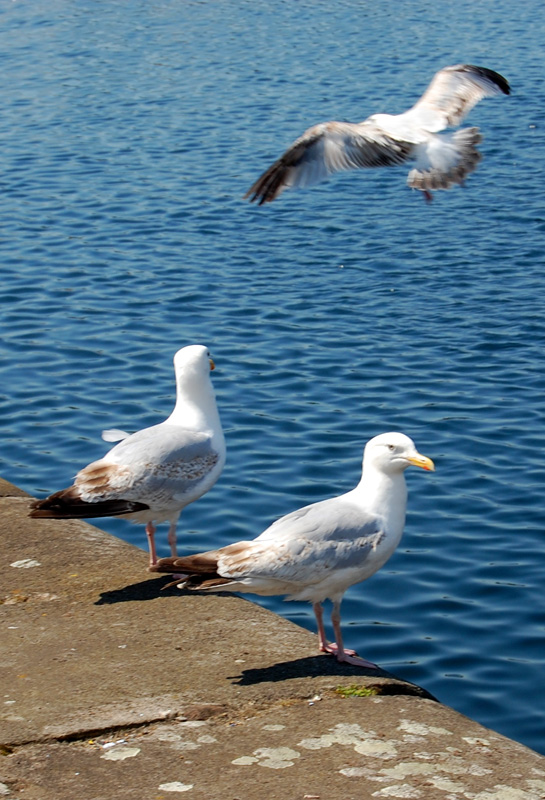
pixel 129 133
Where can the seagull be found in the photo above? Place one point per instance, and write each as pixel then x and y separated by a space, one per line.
pixel 387 139
pixel 151 475
pixel 317 552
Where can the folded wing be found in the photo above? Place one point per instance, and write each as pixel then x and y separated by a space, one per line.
pixel 155 466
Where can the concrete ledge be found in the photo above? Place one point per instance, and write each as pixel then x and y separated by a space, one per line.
pixel 7 489
pixel 99 665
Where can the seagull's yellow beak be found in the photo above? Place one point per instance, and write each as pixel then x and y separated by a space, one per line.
pixel 424 462
pixel 212 365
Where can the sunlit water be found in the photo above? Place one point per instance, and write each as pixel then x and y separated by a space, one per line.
pixel 129 133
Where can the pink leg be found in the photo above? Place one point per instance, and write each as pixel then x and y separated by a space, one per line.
pixel 324 645
pixel 428 197
pixel 344 655
pixel 172 543
pixel 319 614
pixel 172 538
pixel 150 533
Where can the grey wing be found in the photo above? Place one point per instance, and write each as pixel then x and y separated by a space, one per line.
pixel 165 460
pixel 325 149
pixel 455 90
pixel 335 519
pixel 307 544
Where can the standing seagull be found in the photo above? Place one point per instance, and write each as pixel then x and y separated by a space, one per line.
pixel 320 550
pixel 386 139
pixel 154 473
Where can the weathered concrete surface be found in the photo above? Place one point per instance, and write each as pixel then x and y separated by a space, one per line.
pixel 112 688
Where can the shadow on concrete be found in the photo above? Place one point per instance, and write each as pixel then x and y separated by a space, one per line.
pixel 320 665
pixel 145 590
pixel 307 667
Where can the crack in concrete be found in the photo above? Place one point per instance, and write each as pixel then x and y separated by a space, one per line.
pixel 206 711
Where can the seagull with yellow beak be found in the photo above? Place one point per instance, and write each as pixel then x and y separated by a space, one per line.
pixel 319 551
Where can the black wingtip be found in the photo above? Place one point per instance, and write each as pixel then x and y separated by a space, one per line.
pixel 492 76
pixel 57 507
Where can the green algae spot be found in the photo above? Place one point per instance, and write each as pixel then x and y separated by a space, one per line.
pixel 356 691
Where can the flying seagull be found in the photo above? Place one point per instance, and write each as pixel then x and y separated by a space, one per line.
pixel 320 550
pixel 442 159
pixel 151 475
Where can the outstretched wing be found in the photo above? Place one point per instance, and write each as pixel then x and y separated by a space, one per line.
pixel 452 94
pixel 325 149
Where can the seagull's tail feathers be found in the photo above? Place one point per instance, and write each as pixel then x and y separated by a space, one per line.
pixel 445 159
pixel 67 505
pixel 199 571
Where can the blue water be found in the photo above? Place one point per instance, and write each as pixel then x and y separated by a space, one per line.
pixel 129 133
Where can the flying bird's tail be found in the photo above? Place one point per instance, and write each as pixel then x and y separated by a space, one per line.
pixel 445 159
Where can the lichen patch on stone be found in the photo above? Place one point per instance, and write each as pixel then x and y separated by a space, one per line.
pixel 175 786
pixel 25 563
pixel 398 790
pixel 120 753
pixel 272 757
pixel 421 729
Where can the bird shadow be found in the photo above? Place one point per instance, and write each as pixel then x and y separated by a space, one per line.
pixel 328 666
pixel 149 589
pixel 308 667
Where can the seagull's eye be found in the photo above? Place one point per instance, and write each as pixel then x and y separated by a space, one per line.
pixel 391 447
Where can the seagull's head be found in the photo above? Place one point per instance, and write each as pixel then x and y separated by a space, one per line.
pixel 394 452
pixel 193 363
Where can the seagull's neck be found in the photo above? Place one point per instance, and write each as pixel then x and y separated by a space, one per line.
pixel 196 411
pixel 384 494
